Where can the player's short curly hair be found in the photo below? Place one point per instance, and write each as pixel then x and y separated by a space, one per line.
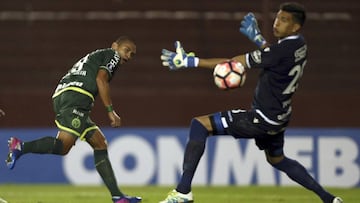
pixel 297 10
pixel 123 38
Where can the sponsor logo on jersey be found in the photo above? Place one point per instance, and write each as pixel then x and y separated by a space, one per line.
pixel 113 63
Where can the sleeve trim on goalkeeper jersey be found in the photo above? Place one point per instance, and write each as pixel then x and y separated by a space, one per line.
pixel 247 60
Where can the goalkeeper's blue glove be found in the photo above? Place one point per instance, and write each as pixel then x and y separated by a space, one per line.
pixel 179 58
pixel 249 27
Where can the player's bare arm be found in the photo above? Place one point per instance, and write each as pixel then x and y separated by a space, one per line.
pixel 102 81
pixel 210 63
pixel 180 59
pixel 242 59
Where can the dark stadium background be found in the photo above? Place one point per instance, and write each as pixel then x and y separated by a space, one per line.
pixel 40 40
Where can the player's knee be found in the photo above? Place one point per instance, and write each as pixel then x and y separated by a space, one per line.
pixel 205 122
pixel 274 160
pixel 198 131
pixel 274 157
pixel 101 146
pixel 97 141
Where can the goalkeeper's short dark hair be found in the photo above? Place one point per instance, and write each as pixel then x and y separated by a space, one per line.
pixel 297 10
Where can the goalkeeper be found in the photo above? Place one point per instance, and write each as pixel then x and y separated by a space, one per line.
pixel 282 66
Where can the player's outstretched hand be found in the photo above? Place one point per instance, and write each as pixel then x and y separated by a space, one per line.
pixel 249 27
pixel 179 58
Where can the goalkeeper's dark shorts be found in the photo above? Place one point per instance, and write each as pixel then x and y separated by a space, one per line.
pixel 249 124
pixel 72 111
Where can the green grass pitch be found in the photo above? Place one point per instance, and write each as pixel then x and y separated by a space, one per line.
pixel 37 193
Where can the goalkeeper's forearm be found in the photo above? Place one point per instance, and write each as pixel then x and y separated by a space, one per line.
pixel 211 63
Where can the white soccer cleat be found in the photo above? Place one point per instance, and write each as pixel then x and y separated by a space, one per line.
pixel 2 200
pixel 177 197
pixel 337 200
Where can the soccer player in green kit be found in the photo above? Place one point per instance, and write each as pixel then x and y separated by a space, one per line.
pixel 72 102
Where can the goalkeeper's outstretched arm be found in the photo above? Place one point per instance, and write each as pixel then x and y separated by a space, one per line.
pixel 180 59
pixel 212 62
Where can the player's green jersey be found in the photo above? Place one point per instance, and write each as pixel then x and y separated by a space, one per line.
pixel 82 76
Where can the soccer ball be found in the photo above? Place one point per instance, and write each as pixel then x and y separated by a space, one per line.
pixel 229 75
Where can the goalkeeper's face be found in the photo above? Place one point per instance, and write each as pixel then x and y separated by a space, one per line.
pixel 284 25
pixel 126 50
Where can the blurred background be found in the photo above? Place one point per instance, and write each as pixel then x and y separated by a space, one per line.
pixel 41 39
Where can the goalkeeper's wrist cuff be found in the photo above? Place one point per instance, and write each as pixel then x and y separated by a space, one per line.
pixel 191 61
pixel 259 40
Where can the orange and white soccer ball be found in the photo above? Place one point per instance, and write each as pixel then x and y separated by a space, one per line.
pixel 229 75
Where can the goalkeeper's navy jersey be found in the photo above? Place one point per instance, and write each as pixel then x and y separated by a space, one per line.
pixel 82 76
pixel 282 66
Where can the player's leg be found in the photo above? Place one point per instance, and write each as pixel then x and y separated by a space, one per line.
pixel 236 123
pixel 60 145
pixel 199 130
pixel 98 142
pixel 45 145
pixel 221 123
pixel 294 170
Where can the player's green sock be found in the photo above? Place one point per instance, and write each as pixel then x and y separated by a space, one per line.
pixel 45 145
pixel 103 166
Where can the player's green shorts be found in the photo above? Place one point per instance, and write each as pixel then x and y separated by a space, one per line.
pixel 72 111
